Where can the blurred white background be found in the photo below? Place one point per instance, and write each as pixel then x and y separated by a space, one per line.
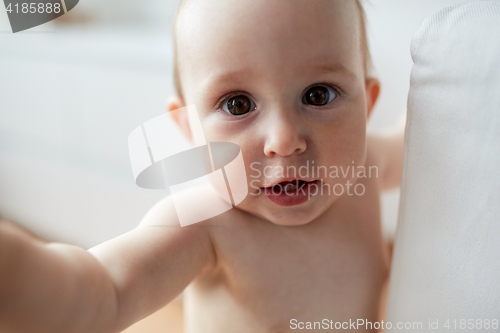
pixel 72 90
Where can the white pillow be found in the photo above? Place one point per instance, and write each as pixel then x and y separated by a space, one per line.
pixel 446 263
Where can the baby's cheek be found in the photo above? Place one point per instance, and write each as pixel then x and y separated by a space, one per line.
pixel 345 147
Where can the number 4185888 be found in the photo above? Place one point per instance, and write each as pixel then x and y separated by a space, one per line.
pixel 34 7
pixel 472 324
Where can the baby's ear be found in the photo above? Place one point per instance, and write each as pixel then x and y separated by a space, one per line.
pixel 372 87
pixel 180 118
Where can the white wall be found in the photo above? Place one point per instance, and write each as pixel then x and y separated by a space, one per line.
pixel 70 95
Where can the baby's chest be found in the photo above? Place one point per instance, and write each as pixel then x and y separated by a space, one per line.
pixel 346 243
pixel 289 266
pixel 315 271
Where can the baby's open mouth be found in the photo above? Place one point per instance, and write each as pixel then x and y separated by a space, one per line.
pixel 291 192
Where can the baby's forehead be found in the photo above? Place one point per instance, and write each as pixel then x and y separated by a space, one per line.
pixel 233 15
pixel 256 30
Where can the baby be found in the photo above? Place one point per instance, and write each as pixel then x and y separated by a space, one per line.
pixel 288 82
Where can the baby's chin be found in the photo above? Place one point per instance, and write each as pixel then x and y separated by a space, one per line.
pixel 298 215
pixel 290 222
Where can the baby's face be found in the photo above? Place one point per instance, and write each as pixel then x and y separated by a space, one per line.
pixel 283 79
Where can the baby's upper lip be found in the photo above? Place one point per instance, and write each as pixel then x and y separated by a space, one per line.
pixel 289 179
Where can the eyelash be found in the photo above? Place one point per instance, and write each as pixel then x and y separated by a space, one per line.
pixel 226 98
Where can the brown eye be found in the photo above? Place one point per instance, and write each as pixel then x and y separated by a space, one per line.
pixel 319 95
pixel 239 105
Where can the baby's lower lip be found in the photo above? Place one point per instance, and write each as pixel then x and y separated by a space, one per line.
pixel 292 195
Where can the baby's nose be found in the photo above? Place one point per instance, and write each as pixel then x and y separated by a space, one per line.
pixel 284 134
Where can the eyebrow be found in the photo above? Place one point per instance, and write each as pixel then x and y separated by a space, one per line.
pixel 232 76
pixel 335 68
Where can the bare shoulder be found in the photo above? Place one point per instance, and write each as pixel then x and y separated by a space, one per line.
pixel 162 213
pixel 193 203
pixel 162 229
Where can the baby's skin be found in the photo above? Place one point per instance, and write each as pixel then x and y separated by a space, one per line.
pixel 285 80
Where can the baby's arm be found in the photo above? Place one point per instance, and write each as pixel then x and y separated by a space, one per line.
pixel 52 287
pixel 386 151
pixel 153 263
